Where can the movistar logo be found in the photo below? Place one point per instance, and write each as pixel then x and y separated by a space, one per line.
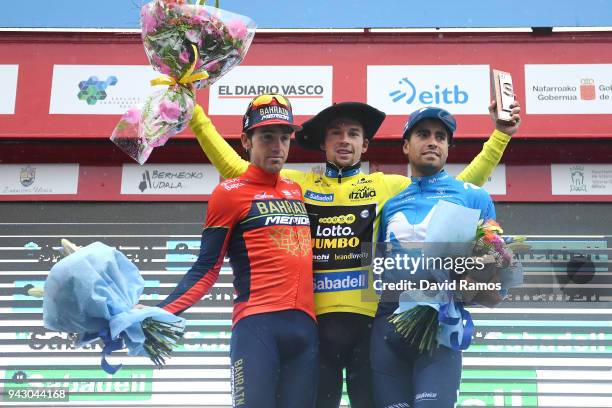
pixel 408 92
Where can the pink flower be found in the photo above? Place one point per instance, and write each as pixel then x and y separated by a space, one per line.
pixel 184 57
pixel 165 69
pixel 192 35
pixel 196 20
pixel 200 17
pixel 169 111
pixel 149 23
pixel 212 66
pixel 132 116
pixel 237 29
pixel 160 12
pixel 214 32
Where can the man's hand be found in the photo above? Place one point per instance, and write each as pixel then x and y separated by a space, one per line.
pixel 504 127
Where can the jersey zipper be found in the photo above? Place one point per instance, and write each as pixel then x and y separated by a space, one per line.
pixel 420 195
pixel 294 228
pixel 299 277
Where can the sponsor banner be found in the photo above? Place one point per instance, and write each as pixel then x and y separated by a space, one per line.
pixel 581 179
pixel 557 387
pixel 458 58
pixel 174 179
pixel 308 87
pixel 498 388
pixel 339 281
pixel 339 234
pixel 495 185
pixel 8 88
pixel 99 89
pixel 402 89
pixel 38 179
pixel 559 89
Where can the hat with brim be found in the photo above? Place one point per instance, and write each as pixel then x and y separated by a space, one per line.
pixel 277 122
pixel 431 112
pixel 313 130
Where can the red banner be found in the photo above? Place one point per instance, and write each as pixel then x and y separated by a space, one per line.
pixel 77 85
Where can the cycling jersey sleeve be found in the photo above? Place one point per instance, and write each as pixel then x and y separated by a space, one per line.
pixel 395 183
pixel 220 153
pixel 479 169
pixel 220 218
pixel 488 212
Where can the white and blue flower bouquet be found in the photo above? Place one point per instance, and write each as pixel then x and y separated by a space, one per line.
pixel 92 293
pixel 427 320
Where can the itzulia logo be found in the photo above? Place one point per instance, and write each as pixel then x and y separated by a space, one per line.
pixel 408 92
pixel 94 90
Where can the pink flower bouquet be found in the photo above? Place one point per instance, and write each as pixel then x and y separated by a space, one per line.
pixel 192 46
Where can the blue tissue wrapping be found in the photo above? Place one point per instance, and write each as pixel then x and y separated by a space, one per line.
pixel 92 292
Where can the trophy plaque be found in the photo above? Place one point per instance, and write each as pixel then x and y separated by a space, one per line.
pixel 504 95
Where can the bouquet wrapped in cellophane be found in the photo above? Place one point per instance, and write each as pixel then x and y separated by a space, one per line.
pixel 425 323
pixel 192 46
pixel 497 253
pixel 91 293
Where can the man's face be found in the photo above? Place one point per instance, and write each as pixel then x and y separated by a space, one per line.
pixel 268 147
pixel 427 147
pixel 344 142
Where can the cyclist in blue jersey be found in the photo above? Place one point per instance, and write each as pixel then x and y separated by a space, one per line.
pixel 402 377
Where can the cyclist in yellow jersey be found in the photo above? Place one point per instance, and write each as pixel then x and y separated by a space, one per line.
pixel 344 205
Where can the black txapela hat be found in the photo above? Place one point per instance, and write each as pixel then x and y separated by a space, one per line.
pixel 313 130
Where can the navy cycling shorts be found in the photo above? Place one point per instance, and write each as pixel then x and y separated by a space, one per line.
pixel 402 378
pixel 275 360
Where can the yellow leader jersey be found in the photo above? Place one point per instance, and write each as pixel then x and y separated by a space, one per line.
pixel 344 212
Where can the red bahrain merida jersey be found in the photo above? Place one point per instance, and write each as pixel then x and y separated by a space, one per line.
pixel 260 221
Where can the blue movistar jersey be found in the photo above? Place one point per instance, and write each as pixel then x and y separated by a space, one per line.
pixel 405 217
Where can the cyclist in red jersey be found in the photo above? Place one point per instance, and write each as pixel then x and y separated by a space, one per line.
pixel 260 221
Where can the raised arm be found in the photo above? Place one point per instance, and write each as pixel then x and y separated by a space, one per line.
pixel 227 162
pixel 479 169
pixel 219 152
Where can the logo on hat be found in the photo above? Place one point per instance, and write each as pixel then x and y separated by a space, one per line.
pixel 268 110
pixel 274 112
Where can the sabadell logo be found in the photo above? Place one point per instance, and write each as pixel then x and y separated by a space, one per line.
pixel 438 95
